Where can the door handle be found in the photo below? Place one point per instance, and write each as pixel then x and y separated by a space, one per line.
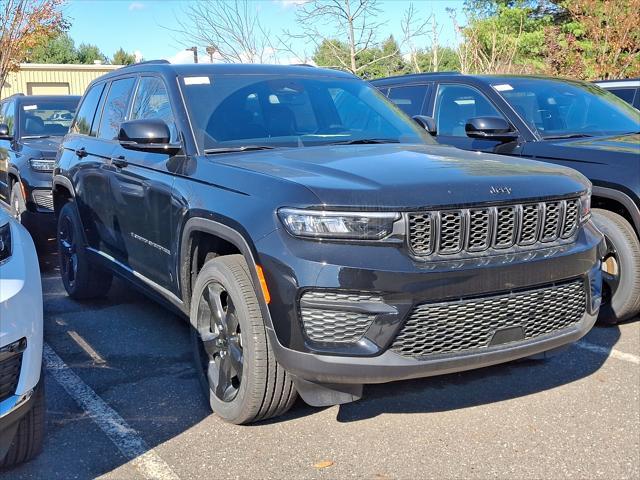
pixel 81 152
pixel 119 162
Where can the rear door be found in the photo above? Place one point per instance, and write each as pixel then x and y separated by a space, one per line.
pixel 141 185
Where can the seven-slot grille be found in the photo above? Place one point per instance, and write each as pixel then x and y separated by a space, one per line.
pixel 470 324
pixel 472 230
pixel 43 199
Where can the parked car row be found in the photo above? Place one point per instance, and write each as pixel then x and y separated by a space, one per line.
pixel 565 122
pixel 318 239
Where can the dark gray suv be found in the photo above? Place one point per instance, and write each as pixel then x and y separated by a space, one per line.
pixel 316 238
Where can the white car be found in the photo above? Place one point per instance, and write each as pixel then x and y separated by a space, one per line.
pixel 21 383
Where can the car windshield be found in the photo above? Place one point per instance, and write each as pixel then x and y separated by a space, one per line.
pixel 248 112
pixel 47 118
pixel 559 108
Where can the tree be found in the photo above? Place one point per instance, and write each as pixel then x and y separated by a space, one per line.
pixel 230 30
pixel 58 49
pixel 123 58
pixel 344 33
pixel 89 54
pixel 23 25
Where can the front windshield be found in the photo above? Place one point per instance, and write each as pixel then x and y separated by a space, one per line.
pixel 232 111
pixel 556 108
pixel 50 118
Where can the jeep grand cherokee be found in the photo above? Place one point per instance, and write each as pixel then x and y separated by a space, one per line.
pixel 316 238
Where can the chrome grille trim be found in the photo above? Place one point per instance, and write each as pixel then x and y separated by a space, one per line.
pixel 470 324
pixel 470 231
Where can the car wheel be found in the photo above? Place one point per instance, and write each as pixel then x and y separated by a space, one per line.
pixel 27 442
pixel 234 359
pixel 17 201
pixel 81 279
pixel 620 267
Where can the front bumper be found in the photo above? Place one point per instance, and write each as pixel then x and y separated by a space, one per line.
pixel 404 284
pixel 39 216
pixel 21 312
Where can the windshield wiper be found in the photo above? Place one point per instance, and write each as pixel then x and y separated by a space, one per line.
pixel 30 137
pixel 244 148
pixel 365 141
pixel 568 135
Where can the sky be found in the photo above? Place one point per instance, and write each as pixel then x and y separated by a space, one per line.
pixel 141 25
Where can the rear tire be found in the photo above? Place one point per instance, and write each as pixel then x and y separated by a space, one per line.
pixel 258 387
pixel 81 279
pixel 18 205
pixel 621 268
pixel 30 434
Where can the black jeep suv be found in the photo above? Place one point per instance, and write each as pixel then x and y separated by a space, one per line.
pixel 31 128
pixel 576 124
pixel 315 236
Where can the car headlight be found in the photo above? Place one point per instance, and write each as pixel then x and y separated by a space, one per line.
pixel 585 206
pixel 42 164
pixel 5 242
pixel 338 225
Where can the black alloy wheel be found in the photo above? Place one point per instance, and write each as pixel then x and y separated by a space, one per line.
pixel 221 341
pixel 68 251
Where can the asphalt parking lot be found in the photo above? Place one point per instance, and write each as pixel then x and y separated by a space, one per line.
pixel 123 401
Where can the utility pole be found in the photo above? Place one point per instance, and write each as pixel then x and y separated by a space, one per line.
pixel 195 53
pixel 211 51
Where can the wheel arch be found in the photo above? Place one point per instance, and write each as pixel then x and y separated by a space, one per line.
pixel 63 191
pixel 229 240
pixel 618 202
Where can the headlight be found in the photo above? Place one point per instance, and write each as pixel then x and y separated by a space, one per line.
pixel 5 242
pixel 585 206
pixel 338 225
pixel 42 164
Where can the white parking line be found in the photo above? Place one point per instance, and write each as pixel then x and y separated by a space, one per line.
pixel 613 353
pixel 89 350
pixel 128 441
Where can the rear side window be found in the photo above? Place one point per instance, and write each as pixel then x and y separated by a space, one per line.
pixel 87 111
pixel 115 109
pixel 409 98
pixel 625 94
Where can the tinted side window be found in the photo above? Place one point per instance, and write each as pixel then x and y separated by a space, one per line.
pixel 625 94
pixel 152 102
pixel 115 109
pixel 7 114
pixel 87 111
pixel 455 104
pixel 409 98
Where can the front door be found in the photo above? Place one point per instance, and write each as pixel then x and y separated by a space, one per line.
pixel 454 105
pixel 141 185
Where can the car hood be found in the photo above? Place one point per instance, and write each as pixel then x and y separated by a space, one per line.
pixel 409 176
pixel 47 146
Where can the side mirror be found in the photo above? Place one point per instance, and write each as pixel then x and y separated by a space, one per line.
pixel 428 123
pixel 5 134
pixel 490 128
pixel 149 135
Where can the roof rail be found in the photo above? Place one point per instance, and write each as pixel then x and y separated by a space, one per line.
pixel 301 65
pixel 19 94
pixel 148 62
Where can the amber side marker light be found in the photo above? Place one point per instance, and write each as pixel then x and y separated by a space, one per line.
pixel 263 284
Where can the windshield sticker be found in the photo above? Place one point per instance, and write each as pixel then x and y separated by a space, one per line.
pixel 197 81
pixel 26 108
pixel 503 87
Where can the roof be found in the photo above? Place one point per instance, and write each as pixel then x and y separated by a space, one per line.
pixel 227 69
pixel 43 98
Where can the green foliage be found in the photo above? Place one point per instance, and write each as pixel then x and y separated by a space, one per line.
pixel 57 49
pixel 123 58
pixel 448 60
pixel 88 54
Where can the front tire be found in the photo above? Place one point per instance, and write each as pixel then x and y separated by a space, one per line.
pixel 236 366
pixel 17 202
pixel 620 269
pixel 30 434
pixel 81 279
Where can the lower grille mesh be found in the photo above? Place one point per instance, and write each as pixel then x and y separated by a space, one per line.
pixel 334 326
pixel 470 324
pixel 44 199
pixel 9 375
